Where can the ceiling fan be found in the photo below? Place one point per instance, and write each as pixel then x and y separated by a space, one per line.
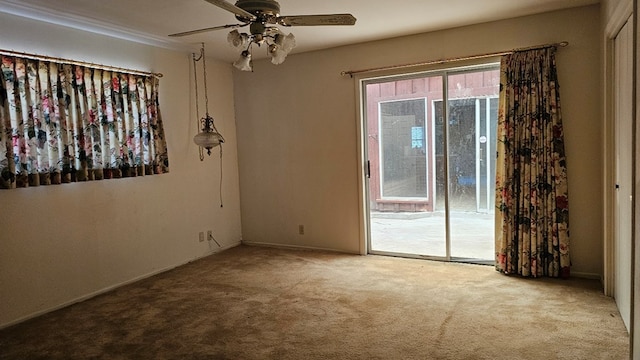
pixel 262 16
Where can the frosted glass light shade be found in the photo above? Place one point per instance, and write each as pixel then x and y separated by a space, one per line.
pixel 208 139
pixel 244 62
pixel 236 39
pixel 281 47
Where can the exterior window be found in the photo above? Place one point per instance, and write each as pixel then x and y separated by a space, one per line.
pixel 403 150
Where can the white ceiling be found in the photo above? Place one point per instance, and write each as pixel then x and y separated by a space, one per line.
pixel 150 21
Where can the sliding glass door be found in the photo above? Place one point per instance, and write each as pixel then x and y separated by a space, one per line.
pixel 430 147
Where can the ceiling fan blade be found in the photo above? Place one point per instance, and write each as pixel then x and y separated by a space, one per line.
pixel 314 20
pixel 232 8
pixel 233 26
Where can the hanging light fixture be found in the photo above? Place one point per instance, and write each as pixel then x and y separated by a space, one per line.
pixel 278 44
pixel 209 137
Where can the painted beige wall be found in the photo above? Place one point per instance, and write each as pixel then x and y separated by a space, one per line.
pixel 297 130
pixel 63 243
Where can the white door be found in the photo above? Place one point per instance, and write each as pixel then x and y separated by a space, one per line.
pixel 623 159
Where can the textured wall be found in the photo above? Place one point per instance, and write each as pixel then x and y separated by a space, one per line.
pixel 298 130
pixel 65 242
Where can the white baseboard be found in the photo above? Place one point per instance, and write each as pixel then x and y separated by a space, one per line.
pixel 214 251
pixel 294 247
pixel 584 275
pixel 115 286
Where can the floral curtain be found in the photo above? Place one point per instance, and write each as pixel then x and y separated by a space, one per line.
pixel 62 123
pixel 532 215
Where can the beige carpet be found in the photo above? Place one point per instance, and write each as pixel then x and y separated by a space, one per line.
pixel 266 303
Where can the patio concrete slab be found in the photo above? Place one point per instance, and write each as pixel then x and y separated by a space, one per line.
pixel 423 234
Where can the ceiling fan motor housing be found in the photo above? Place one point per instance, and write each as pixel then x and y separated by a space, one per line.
pixel 259 7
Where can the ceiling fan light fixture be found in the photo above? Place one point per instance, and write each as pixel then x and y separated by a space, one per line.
pixel 261 16
pixel 244 63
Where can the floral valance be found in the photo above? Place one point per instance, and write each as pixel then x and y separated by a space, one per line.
pixel 62 123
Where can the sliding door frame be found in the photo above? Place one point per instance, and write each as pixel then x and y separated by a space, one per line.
pixel 363 79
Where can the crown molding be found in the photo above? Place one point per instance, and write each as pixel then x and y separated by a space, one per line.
pixel 78 22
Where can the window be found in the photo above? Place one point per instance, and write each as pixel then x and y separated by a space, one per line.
pixel 63 122
pixel 403 149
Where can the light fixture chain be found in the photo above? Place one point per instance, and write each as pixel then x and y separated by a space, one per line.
pixel 221 204
pixel 206 92
pixel 195 78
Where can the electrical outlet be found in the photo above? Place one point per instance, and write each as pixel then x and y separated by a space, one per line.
pixel 201 236
pixel 301 229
